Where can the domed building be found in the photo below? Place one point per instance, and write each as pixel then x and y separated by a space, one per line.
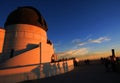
pixel 26 36
pixel 26 53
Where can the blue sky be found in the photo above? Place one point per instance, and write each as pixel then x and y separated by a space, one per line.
pixel 77 27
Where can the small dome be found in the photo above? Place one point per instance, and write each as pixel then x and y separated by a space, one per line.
pixel 26 15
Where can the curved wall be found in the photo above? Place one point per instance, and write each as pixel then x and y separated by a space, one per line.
pixel 2 34
pixel 32 72
pixel 23 36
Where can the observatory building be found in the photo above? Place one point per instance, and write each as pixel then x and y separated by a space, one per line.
pixel 26 53
pixel 24 38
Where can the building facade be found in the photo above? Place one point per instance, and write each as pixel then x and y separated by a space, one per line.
pixel 25 37
pixel 26 53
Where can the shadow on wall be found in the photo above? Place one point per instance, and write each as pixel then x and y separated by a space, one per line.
pixel 65 66
pixel 28 47
pixel 54 68
pixel 36 71
pixel 5 56
pixel 47 69
pixel 51 69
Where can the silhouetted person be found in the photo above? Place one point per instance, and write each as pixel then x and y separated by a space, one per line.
pixel 107 64
pixel 117 64
pixel 75 62
pixel 52 58
pixel 113 63
pixel 102 60
pixel 87 61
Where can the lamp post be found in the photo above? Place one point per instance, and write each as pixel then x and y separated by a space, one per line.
pixel 40 45
pixel 40 52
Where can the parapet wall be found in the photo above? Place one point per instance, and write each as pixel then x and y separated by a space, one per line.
pixel 35 71
pixel 29 57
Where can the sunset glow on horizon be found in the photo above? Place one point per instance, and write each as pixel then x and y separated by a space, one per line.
pixel 77 28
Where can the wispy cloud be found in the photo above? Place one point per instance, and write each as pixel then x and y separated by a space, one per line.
pixel 78 42
pixel 73 53
pixel 82 43
pixel 77 46
pixel 95 55
pixel 99 40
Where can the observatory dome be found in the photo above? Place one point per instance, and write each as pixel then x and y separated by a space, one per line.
pixel 26 15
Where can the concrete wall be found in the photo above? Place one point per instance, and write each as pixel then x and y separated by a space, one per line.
pixel 30 57
pixel 2 34
pixel 31 72
pixel 22 36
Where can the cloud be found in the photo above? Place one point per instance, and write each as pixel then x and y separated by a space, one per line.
pixel 99 40
pixel 81 51
pixel 82 43
pixel 73 53
pixel 78 42
pixel 95 55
